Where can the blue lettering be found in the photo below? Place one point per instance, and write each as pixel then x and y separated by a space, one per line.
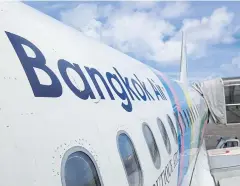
pixel 92 73
pixel 123 95
pixel 155 89
pixel 29 64
pixel 145 89
pixel 124 91
pixel 63 65
pixel 126 83
pixel 135 84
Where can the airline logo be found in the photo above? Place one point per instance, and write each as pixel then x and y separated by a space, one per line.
pixel 129 89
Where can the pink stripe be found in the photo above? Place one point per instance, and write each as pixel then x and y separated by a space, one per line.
pixel 181 125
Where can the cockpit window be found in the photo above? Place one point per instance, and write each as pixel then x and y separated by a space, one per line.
pixel 130 160
pixel 152 146
pixel 164 135
pixel 79 170
pixel 172 128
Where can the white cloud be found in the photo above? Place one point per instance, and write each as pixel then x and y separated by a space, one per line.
pixel 141 28
pixel 213 29
pixel 84 18
pixel 138 33
pixel 232 68
pixel 176 9
pixel 140 5
pixel 80 16
pixel 206 31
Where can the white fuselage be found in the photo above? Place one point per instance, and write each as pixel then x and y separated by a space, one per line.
pixel 68 102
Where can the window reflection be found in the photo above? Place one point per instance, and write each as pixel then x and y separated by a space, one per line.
pixel 130 160
pixel 172 128
pixel 164 135
pixel 178 123
pixel 80 171
pixel 190 113
pixel 152 146
pixel 183 120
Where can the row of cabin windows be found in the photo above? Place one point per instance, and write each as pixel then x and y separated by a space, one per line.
pixel 131 162
pixel 79 169
pixel 79 163
pixel 189 117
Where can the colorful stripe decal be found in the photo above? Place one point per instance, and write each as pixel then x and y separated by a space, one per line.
pixel 187 138
pixel 176 104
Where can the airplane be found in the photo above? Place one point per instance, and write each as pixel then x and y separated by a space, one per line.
pixel 76 112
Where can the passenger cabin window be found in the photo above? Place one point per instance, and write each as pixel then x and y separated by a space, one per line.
pixel 172 128
pixel 183 120
pixel 176 118
pixel 164 135
pixel 152 146
pixel 190 112
pixel 187 119
pixel 196 111
pixel 189 116
pixel 79 170
pixel 130 160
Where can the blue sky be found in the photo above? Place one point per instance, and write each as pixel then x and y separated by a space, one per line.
pixel 151 32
